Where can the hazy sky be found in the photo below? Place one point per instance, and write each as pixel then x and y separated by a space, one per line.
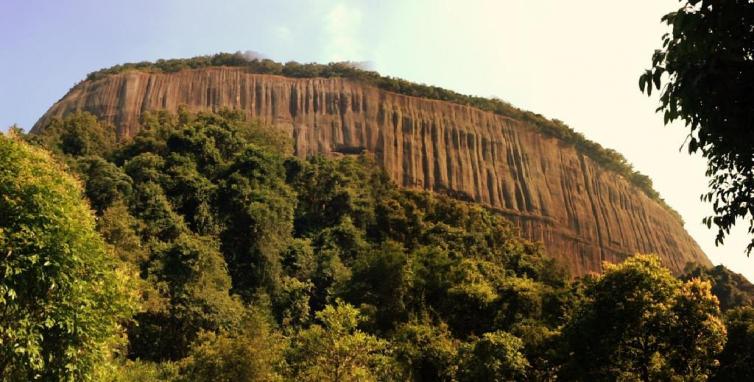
pixel 577 61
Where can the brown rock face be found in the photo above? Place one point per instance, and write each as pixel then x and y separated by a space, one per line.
pixel 582 213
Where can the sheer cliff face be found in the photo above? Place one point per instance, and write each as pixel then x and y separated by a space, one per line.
pixel 582 213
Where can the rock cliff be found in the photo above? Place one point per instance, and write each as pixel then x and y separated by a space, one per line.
pixel 583 214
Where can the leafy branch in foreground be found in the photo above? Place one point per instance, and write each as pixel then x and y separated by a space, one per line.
pixel 705 72
pixel 63 298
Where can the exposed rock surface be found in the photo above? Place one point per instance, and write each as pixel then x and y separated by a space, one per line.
pixel 583 213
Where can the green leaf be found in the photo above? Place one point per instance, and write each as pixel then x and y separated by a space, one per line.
pixel 693 145
pixel 657 77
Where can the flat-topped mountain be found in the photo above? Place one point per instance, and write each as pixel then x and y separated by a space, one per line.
pixel 583 211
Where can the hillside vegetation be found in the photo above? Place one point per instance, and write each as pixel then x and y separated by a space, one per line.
pixel 608 158
pixel 62 297
pixel 254 265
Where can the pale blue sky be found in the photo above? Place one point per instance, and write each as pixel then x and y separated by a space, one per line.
pixel 577 61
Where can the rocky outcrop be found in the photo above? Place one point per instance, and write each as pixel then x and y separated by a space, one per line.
pixel 583 214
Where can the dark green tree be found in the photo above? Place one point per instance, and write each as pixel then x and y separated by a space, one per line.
pixel 77 134
pixel 541 348
pixel 737 356
pixel 706 72
pixel 105 183
pixel 257 209
pixel 380 280
pixel 193 284
pixel 426 352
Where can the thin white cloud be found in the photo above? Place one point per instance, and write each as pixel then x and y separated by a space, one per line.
pixel 282 33
pixel 341 27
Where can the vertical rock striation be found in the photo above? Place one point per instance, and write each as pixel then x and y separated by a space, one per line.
pixel 582 213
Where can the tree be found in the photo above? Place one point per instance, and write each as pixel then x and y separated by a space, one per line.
pixel 697 333
pixel 496 356
pixel 426 352
pixel 119 229
pixel 105 183
pixel 732 290
pixel 540 348
pixel 706 65
pixel 640 323
pixel 77 134
pixel 192 279
pixel 252 354
pixel 258 209
pixel 331 191
pixel 738 354
pixel 336 350
pixel 380 280
pixel 63 298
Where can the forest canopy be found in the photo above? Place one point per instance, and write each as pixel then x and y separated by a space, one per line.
pixel 255 265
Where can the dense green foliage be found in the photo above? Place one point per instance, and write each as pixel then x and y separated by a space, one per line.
pixel 641 323
pixel 258 266
pixel 497 356
pixel 738 355
pixel 219 221
pixel 706 71
pixel 608 158
pixel 62 298
pixel 337 350
pixel 731 289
